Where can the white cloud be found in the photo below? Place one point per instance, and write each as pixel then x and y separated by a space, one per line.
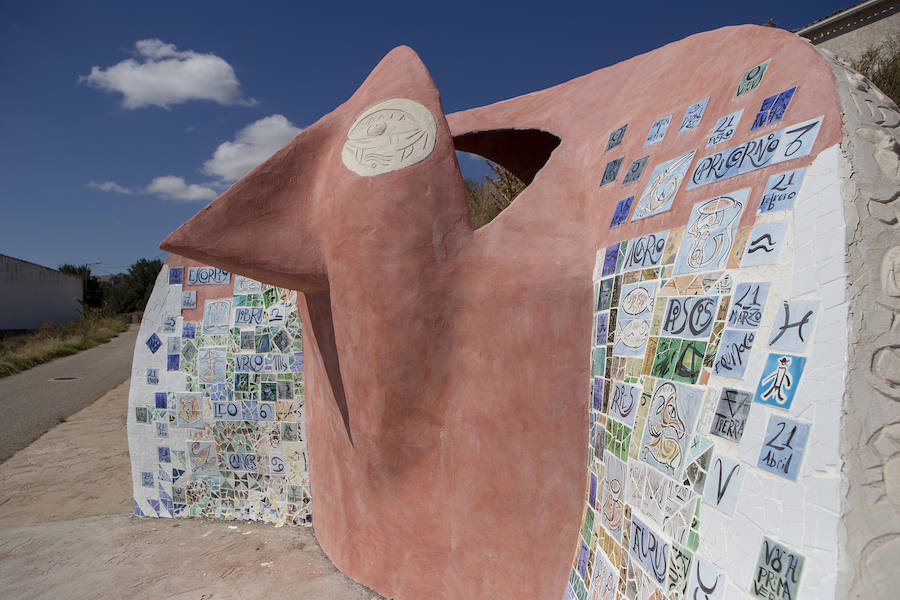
pixel 252 145
pixel 162 75
pixel 110 186
pixel 175 188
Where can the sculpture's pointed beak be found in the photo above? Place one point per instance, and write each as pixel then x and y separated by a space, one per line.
pixel 328 194
pixel 264 225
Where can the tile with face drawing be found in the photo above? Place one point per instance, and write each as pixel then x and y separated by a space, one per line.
pixel 710 233
pixel 670 424
pixel 764 244
pixel 665 179
pixel 633 318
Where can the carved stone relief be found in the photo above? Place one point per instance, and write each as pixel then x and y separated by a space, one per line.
pixel 871 174
pixel 388 136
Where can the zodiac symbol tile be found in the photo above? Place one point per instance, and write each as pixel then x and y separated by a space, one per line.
pixel 764 244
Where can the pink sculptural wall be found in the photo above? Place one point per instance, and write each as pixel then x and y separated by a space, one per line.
pixel 459 445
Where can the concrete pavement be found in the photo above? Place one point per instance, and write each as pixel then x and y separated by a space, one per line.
pixel 33 401
pixel 66 530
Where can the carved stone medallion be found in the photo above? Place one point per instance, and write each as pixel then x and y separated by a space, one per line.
pixel 388 136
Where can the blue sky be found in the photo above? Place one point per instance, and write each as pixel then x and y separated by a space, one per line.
pixel 118 121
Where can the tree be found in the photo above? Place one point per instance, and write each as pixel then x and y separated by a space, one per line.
pixel 91 290
pixel 488 198
pixel 881 65
pixel 132 291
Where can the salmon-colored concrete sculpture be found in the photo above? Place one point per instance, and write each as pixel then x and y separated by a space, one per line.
pixel 447 368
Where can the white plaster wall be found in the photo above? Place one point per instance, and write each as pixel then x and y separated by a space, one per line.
pixel 805 514
pixel 31 295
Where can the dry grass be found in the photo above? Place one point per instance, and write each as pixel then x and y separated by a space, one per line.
pixel 23 351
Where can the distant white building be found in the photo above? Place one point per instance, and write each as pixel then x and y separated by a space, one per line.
pixel 31 295
pixel 850 32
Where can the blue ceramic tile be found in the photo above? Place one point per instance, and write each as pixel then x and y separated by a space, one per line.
pixel 783 447
pixel 779 380
pixel 620 216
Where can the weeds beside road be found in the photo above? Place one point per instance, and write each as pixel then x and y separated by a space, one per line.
pixel 19 352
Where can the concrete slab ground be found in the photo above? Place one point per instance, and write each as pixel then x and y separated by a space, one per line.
pixel 66 531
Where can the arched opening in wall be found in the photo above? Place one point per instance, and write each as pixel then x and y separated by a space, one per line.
pixel 514 157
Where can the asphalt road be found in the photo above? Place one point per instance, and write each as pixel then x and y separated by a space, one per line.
pixel 33 401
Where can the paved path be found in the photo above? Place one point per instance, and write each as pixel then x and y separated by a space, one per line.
pixel 66 531
pixel 31 402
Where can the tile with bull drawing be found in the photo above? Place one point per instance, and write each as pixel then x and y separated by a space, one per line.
pixel 663 185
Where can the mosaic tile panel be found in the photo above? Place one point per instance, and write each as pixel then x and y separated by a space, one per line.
pixel 708 370
pixel 216 423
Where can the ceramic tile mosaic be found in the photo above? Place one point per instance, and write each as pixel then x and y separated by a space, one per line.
pixel 616 137
pixel 635 170
pixel 611 171
pixel 701 464
pixel 665 180
pixel 785 144
pixel 620 216
pixel 693 114
pixel 773 108
pixel 216 425
pixel 658 130
pixel 781 190
pixel 752 78
pixel 764 244
pixel 724 128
